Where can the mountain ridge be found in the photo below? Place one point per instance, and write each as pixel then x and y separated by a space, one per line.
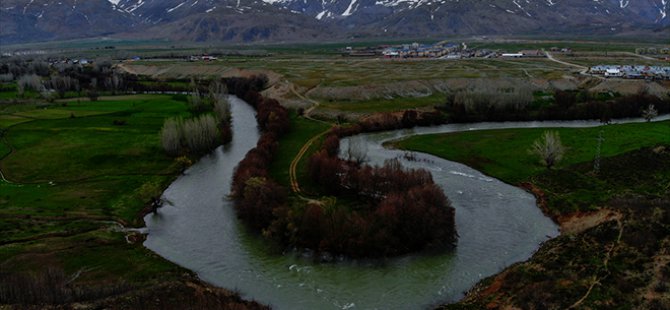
pixel 302 20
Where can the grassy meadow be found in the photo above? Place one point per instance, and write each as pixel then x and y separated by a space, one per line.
pixel 572 185
pixel 74 169
pixel 504 153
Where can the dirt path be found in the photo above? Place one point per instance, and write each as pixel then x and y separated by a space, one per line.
pixel 293 175
pixel 315 104
pixel 596 280
pixel 551 57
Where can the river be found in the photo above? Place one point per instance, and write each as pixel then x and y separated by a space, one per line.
pixel 498 225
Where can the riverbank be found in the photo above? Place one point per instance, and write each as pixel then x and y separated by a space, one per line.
pixel 612 257
pixel 85 169
pixel 614 222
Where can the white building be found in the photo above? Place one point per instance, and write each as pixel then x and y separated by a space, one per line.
pixel 613 72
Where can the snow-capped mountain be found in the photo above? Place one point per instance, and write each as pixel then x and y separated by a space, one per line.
pixel 41 20
pixel 654 11
pixel 303 20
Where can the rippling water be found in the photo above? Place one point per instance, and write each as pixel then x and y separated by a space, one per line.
pixel 498 225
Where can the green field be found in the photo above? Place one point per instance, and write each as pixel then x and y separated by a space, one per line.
pixel 73 173
pixel 504 153
pixel 571 186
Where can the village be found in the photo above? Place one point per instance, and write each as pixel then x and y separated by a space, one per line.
pixel 632 72
pixel 443 50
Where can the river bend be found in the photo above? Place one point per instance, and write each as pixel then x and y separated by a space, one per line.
pixel 498 224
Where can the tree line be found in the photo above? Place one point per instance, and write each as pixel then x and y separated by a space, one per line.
pixel 470 106
pixel 201 134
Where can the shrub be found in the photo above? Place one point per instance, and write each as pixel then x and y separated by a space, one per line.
pixel 171 136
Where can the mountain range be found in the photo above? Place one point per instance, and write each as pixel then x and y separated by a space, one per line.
pixel 318 20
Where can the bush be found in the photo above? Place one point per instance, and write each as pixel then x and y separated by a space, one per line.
pixel 194 136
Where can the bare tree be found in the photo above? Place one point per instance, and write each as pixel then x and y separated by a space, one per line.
pixel 171 137
pixel 201 133
pixel 222 108
pixel 63 84
pixel 197 135
pixel 27 82
pixel 196 102
pixel 650 113
pixel 217 88
pixel 549 148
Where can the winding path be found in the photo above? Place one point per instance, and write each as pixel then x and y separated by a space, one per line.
pixel 293 175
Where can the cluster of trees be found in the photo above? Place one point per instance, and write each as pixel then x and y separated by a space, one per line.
pixel 467 106
pixel 203 133
pixel 391 121
pixel 193 136
pixel 256 194
pixel 489 101
pixel 59 79
pixel 404 209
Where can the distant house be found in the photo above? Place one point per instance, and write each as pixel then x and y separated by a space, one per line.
pixel 632 74
pixel 208 58
pixel 391 53
pixel 598 70
pixel 613 72
pixel 136 58
pixel 512 55
pixel 665 50
pixel 532 53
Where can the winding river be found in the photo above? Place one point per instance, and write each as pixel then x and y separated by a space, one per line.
pixel 498 224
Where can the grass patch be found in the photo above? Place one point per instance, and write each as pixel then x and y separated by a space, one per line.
pixel 75 174
pixel 301 131
pixel 504 153
pixel 572 186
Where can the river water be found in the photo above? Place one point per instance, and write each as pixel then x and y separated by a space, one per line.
pixel 498 225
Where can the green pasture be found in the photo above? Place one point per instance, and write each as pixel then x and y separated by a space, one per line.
pixel 504 153
pixel 573 185
pixel 75 168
